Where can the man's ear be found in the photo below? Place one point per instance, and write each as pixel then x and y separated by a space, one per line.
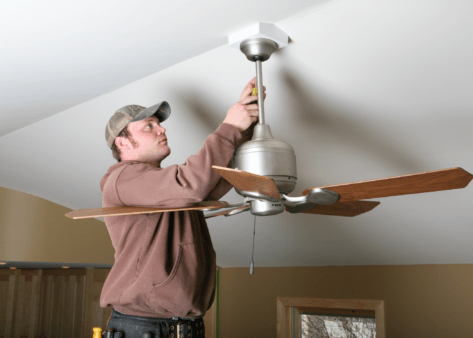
pixel 122 143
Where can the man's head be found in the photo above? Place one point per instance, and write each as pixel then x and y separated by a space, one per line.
pixel 134 132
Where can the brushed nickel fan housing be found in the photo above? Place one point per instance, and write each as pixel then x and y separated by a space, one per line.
pixel 266 156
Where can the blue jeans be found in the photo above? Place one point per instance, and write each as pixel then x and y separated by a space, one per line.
pixel 147 327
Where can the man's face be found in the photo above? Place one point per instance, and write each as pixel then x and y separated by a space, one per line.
pixel 150 142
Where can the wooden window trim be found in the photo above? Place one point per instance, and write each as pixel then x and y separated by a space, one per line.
pixel 286 304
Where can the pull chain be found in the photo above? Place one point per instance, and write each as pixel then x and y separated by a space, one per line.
pixel 252 264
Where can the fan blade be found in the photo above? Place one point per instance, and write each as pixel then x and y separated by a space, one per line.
pixel 350 208
pixel 245 181
pixel 445 179
pixel 121 211
pixel 226 211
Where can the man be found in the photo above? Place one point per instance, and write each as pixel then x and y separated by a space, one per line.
pixel 164 271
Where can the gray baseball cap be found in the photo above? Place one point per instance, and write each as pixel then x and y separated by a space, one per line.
pixel 133 113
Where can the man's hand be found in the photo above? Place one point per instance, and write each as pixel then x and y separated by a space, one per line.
pixel 243 114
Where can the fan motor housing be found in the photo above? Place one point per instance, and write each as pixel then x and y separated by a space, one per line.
pixel 266 156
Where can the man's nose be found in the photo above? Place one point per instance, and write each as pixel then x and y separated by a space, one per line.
pixel 162 130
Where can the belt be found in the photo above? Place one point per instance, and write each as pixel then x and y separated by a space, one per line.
pixel 176 327
pixel 186 329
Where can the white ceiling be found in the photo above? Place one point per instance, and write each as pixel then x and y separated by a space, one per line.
pixel 57 54
pixel 365 89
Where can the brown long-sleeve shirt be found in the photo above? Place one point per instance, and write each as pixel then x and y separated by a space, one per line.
pixel 165 263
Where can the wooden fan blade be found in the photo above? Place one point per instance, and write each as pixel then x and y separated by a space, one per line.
pixel 245 181
pixel 225 212
pixel 349 209
pixel 121 211
pixel 445 179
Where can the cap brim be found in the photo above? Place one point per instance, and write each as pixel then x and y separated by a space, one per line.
pixel 161 110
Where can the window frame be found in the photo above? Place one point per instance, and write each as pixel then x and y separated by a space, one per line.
pixel 286 306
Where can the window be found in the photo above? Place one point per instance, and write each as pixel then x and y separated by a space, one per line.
pixel 319 325
pixel 327 318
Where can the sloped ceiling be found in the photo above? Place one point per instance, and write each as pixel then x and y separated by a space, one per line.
pixel 364 90
pixel 58 54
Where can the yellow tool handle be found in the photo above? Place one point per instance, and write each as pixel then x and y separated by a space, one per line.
pixel 97 332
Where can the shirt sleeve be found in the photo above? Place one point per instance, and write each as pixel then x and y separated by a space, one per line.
pixel 221 189
pixel 223 186
pixel 143 184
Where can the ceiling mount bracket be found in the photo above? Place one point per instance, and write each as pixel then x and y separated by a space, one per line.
pixel 263 36
pixel 258 49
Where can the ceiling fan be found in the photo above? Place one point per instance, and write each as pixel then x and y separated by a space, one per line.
pixel 265 173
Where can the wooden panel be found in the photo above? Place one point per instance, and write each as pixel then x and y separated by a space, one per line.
pixel 445 179
pixel 100 275
pixel 64 272
pixel 120 211
pixel 20 299
pixel 97 313
pixel 11 302
pixel 210 319
pixel 59 308
pixel 34 304
pixel 68 316
pixel 3 300
pixel 19 294
pixel 72 289
pixel 88 299
pixel 42 297
pixel 66 313
pixel 50 302
pixel 79 308
pixel 106 314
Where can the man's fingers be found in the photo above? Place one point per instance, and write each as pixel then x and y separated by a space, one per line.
pixel 246 92
pixel 248 99
pixel 249 86
pixel 253 106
